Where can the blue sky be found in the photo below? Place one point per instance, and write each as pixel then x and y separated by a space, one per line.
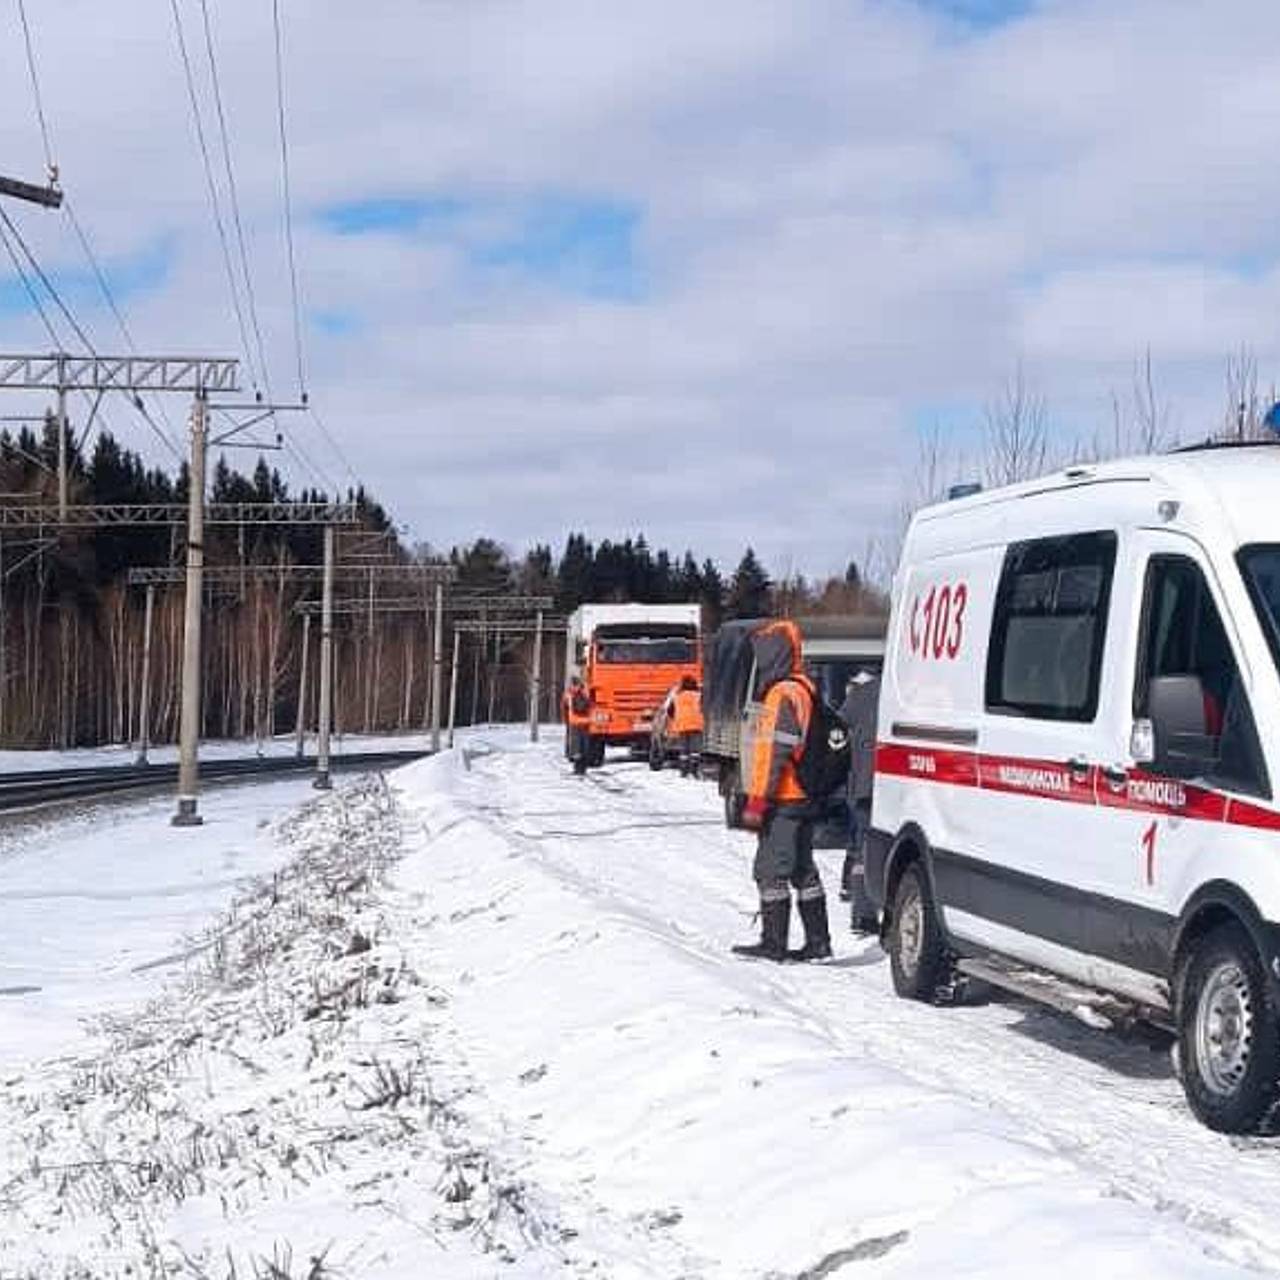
pixel 582 244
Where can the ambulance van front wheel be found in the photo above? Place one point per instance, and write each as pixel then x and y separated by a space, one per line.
pixel 1228 1033
pixel 918 957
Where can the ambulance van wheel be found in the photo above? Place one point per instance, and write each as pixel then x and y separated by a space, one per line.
pixel 1228 1033
pixel 917 952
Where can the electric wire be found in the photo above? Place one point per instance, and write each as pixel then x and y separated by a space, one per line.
pixel 76 327
pixel 333 443
pixel 278 28
pixel 234 195
pixel 198 121
pixel 83 238
pixel 30 288
pixel 35 86
pixel 164 433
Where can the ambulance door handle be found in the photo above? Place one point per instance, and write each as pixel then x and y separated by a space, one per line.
pixel 1078 768
pixel 1116 775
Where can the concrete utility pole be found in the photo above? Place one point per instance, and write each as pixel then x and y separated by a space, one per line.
pixel 453 686
pixel 323 781
pixel 63 482
pixel 535 711
pixel 437 664
pixel 189 732
pixel 301 731
pixel 144 702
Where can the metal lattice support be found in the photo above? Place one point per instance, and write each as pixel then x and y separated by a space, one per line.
pixel 428 573
pixel 17 516
pixel 491 606
pixel 59 370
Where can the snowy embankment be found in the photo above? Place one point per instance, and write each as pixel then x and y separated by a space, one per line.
pixel 484 1022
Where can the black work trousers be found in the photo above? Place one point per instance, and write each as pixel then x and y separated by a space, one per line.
pixel 784 856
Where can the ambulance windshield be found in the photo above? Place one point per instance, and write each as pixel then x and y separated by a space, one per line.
pixel 1261 567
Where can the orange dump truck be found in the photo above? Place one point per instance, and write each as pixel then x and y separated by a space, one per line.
pixel 621 659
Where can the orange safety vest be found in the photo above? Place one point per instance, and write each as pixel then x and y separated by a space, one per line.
pixel 780 735
pixel 687 713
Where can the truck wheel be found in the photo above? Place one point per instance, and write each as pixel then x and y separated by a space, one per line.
pixel 580 763
pixel 655 755
pixel 1228 1033
pixel 595 752
pixel 918 957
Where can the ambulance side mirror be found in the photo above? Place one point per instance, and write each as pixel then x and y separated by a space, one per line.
pixel 1181 744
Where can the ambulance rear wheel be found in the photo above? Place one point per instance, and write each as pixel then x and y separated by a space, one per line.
pixel 1228 1033
pixel 918 958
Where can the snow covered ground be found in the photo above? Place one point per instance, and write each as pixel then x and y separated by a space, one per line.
pixel 481 1021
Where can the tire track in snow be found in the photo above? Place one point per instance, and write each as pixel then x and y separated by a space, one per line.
pixel 1112 1107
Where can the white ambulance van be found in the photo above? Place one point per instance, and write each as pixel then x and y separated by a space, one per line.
pixel 1078 769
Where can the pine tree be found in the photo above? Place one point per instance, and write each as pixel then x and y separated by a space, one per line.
pixel 749 591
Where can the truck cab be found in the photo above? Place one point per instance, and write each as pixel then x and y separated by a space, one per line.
pixel 624 658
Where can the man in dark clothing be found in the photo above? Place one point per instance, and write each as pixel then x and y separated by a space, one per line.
pixel 777 805
pixel 859 712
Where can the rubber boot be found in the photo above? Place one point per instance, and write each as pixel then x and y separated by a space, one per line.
pixel 846 876
pixel 817 936
pixel 775 922
pixel 862 911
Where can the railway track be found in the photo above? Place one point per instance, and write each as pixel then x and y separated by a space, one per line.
pixel 49 786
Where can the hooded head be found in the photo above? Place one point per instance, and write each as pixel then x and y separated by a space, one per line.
pixel 778 654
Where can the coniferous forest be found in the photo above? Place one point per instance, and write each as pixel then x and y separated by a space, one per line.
pixel 71 626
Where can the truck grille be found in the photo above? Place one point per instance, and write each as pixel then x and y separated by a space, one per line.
pixel 636 702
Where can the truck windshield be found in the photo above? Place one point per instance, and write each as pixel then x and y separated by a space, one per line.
pixel 1261 568
pixel 666 649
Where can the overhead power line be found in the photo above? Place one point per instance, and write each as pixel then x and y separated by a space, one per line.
pixel 198 122
pixel 278 28
pixel 35 87
pixel 81 236
pixel 234 195
pixel 164 433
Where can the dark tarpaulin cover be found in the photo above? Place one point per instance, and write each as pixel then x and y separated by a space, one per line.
pixel 726 668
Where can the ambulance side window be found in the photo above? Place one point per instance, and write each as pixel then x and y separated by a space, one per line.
pixel 1050 626
pixel 1183 637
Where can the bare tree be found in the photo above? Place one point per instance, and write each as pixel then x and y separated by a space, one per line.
pixel 1142 427
pixel 1242 415
pixel 1150 414
pixel 1017 433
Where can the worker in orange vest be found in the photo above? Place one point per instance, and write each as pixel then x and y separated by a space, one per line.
pixel 777 805
pixel 686 723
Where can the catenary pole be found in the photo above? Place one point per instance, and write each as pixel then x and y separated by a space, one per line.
pixel 189 733
pixel 437 665
pixel 301 729
pixel 144 701
pixel 453 686
pixel 323 781
pixel 535 693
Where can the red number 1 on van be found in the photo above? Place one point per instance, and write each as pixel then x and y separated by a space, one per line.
pixel 1149 847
